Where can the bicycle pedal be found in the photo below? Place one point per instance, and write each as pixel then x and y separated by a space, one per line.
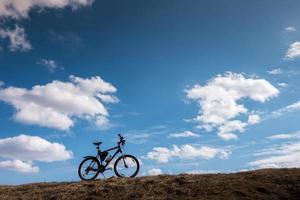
pixel 110 168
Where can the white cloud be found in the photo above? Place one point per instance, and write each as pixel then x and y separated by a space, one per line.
pixel 218 101
pixel 286 155
pixel 227 130
pixel 55 104
pixel 163 154
pixel 1 83
pixel 137 138
pixel 24 149
pixel 154 172
pixel 276 71
pixel 287 109
pixel 290 29
pixel 108 98
pixel 293 51
pixel 18 165
pixel 282 85
pixel 51 65
pixel 203 172
pixel 184 134
pixel 17 38
pixel 69 40
pixel 295 135
pixel 254 119
pixel 101 121
pixel 19 9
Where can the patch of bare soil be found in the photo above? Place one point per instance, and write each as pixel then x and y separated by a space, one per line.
pixel 260 184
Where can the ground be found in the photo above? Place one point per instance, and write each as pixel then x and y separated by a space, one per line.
pixel 259 184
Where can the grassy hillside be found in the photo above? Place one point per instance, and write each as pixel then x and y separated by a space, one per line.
pixel 261 184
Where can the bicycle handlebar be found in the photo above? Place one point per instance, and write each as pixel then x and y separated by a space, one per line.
pixel 122 141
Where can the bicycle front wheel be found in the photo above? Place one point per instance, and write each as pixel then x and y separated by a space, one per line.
pixel 127 166
pixel 89 169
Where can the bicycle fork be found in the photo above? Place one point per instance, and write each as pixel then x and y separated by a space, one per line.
pixel 126 166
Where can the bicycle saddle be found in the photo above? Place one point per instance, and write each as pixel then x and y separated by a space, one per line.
pixel 97 143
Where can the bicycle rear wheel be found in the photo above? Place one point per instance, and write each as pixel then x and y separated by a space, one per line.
pixel 89 169
pixel 127 166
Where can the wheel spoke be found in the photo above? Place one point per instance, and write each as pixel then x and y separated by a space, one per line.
pixel 126 166
pixel 88 169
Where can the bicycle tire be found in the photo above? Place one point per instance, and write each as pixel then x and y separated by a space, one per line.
pixel 129 156
pixel 79 168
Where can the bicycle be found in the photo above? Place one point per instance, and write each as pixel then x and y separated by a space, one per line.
pixel 91 166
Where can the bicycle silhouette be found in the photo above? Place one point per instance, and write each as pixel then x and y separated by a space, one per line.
pixel 124 166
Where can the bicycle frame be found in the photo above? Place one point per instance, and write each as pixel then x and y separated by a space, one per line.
pixel 119 150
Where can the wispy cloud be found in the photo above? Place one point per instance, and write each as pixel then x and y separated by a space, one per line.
pixel 51 65
pixel 283 72
pixel 290 29
pixel 69 40
pixel 285 155
pixel 295 135
pixel 17 39
pixel 287 109
pixel 137 138
pixel 205 172
pixel 276 71
pixel 283 85
pixel 184 134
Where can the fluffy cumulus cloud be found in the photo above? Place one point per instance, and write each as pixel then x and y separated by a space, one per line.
pixel 184 134
pixel 19 166
pixel 17 39
pixel 219 102
pixel 154 172
pixel 164 155
pixel 22 150
pixel 293 51
pixel 56 104
pixel 19 9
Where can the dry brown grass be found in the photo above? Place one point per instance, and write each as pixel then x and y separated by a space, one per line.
pixel 261 184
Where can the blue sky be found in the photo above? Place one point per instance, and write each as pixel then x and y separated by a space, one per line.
pixel 183 73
